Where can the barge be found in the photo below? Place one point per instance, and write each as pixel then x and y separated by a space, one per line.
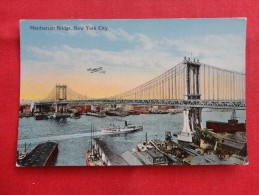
pixel 43 154
pixel 95 113
pixel 232 126
pixel 116 113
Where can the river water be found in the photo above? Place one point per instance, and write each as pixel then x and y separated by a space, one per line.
pixel 74 135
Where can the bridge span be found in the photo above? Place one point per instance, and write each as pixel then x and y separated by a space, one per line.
pixel 218 104
pixel 190 84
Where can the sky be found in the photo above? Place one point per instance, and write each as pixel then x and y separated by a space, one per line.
pixel 131 52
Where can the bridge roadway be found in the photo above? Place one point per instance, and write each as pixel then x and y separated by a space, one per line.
pixel 220 104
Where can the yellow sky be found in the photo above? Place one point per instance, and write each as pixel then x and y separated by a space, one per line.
pixel 94 85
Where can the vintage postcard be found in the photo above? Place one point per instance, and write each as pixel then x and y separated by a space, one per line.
pixel 139 92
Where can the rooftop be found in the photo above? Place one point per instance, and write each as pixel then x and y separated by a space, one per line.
pixel 131 159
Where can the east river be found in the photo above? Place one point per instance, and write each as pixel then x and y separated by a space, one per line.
pixel 74 135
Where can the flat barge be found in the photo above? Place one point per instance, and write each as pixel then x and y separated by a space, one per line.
pixel 231 126
pixel 95 113
pixel 43 154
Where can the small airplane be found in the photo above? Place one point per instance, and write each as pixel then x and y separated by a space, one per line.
pixel 93 70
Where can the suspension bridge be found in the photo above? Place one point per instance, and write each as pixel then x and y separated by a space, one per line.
pixel 190 84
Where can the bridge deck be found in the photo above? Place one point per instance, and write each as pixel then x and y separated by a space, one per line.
pixel 156 102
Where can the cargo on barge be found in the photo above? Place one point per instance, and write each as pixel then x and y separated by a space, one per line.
pixel 232 126
pixel 43 154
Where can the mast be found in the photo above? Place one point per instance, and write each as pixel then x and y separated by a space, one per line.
pixel 92 140
pixel 233 116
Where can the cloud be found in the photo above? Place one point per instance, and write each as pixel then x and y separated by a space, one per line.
pixel 145 41
pixel 221 50
pixel 137 59
pixel 132 66
pixel 224 51
pixel 118 34
pixel 91 33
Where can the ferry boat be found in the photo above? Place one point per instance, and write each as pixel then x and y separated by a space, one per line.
pixel 122 129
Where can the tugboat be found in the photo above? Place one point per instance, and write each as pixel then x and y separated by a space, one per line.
pixel 122 129
pixel 93 158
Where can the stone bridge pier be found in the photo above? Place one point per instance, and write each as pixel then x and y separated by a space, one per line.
pixel 60 107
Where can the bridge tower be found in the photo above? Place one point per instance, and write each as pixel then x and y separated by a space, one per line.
pixel 61 92
pixel 192 115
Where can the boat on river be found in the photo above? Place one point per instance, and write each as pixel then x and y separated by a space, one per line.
pixel 116 112
pixel 95 113
pixel 75 115
pixel 126 128
pixel 40 116
pixel 59 115
pixel 93 155
pixel 44 154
